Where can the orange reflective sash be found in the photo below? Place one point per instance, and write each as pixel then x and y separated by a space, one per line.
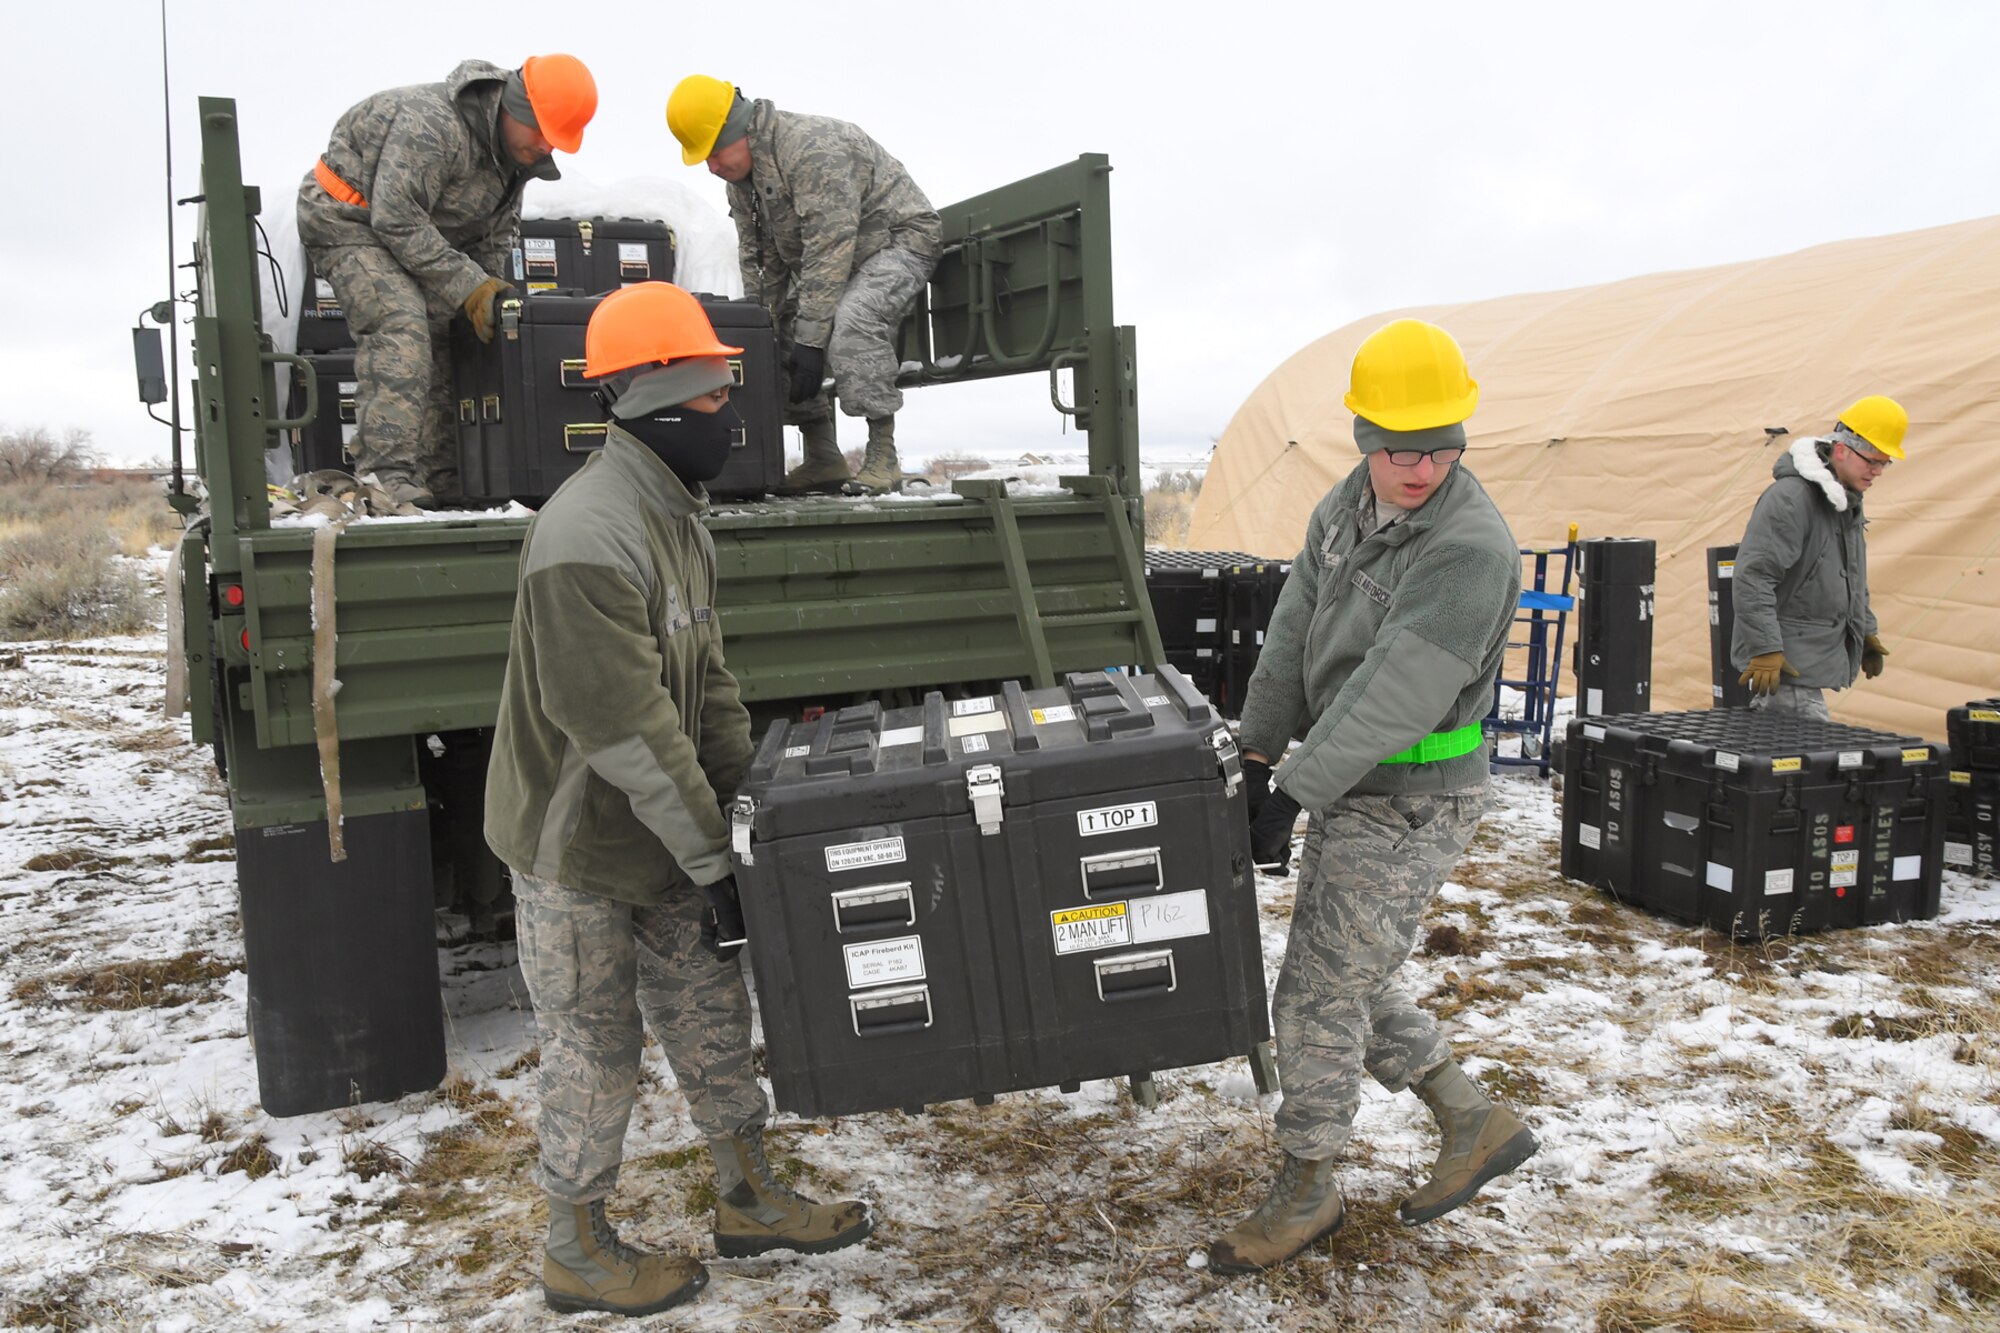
pixel 337 187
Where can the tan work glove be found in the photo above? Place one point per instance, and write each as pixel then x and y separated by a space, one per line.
pixel 1872 653
pixel 1763 672
pixel 479 306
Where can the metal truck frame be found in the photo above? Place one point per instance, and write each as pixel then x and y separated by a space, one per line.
pixel 822 603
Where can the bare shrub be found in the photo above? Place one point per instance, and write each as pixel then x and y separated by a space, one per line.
pixel 63 580
pixel 37 454
pixel 946 468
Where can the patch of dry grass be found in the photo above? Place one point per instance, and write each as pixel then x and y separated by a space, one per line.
pixel 139 983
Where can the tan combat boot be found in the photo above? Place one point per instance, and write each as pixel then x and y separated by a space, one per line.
pixel 879 469
pixel 754 1212
pixel 397 492
pixel 1480 1141
pixel 823 470
pixel 586 1267
pixel 1304 1207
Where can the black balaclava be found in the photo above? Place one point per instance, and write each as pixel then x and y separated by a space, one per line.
pixel 694 445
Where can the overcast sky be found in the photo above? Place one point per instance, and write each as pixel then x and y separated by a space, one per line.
pixel 1279 170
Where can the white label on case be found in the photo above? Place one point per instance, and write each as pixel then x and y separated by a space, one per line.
pixel 1727 762
pixel 879 962
pixel 962 707
pixel 1588 835
pixel 1721 877
pixel 856 855
pixel 1849 759
pixel 1594 702
pixel 1958 853
pixel 1117 818
pixel 978 722
pixel 632 252
pixel 1172 916
pixel 1777 881
pixel 1099 926
pixel 1846 869
pixel 902 736
pixel 1908 867
pixel 1204 626
pixel 1593 733
pixel 973 745
pixel 1060 713
pixel 797 751
pixel 1154 700
pixel 1725 569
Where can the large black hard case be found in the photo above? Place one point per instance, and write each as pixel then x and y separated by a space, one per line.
pixel 527 419
pixel 1754 823
pixel 592 255
pixel 1726 688
pixel 1186 589
pixel 326 441
pixel 1614 635
pixel 986 895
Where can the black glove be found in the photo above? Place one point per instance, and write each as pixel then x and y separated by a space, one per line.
pixel 1256 786
pixel 1271 832
pixel 722 932
pixel 808 369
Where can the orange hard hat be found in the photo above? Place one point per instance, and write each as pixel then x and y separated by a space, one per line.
pixel 647 323
pixel 563 95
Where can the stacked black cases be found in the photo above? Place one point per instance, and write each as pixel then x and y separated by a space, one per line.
pixel 322 323
pixel 1614 639
pixel 527 418
pixel 325 440
pixel 1189 596
pixel 1726 689
pixel 591 255
pixel 1249 596
pixel 1972 823
pixel 1022 890
pixel 1753 823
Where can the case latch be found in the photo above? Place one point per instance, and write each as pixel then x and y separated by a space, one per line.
pixel 1227 760
pixel 741 810
pixel 983 785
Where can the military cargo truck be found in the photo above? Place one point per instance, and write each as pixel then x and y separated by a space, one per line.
pixel 347 677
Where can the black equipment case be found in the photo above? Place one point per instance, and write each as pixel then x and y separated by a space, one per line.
pixel 1754 823
pixel 1212 608
pixel 324 441
pixel 593 255
pixel 986 895
pixel 1726 689
pixel 1614 636
pixel 322 323
pixel 527 419
pixel 1972 822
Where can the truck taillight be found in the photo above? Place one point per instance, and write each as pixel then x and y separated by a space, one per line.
pixel 246 640
pixel 232 594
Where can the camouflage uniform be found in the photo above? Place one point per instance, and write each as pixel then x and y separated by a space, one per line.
pixel 594 966
pixel 620 732
pixel 837 242
pixel 1386 631
pixel 443 208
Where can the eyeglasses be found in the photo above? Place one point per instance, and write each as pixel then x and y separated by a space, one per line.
pixel 1880 462
pixel 1410 457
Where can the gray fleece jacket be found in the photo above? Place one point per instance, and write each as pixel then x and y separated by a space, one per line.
pixel 1382 637
pixel 1801 583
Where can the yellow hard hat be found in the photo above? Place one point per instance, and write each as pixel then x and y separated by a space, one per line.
pixel 1409 375
pixel 1880 421
pixel 695 111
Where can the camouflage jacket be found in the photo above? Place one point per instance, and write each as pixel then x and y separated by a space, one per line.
pixel 443 195
pixel 821 197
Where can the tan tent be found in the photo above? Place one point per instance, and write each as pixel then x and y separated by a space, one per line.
pixel 1643 408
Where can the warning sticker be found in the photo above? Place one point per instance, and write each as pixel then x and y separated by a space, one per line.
pixel 1117 818
pixel 965 707
pixel 1171 916
pixel 879 962
pixel 1081 929
pixel 1787 765
pixel 1846 869
pixel 1982 715
pixel 1060 713
pixel 975 723
pixel 1962 776
pixel 1725 569
pixel 855 855
pixel 1920 755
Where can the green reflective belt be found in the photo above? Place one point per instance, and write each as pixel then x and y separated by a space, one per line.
pixel 1442 745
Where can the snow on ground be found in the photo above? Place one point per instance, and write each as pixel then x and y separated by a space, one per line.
pixel 1795 1136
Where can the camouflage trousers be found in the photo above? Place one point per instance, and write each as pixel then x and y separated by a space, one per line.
pixel 1798 700
pixel 593 965
pixel 1370 867
pixel 404 410
pixel 861 357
